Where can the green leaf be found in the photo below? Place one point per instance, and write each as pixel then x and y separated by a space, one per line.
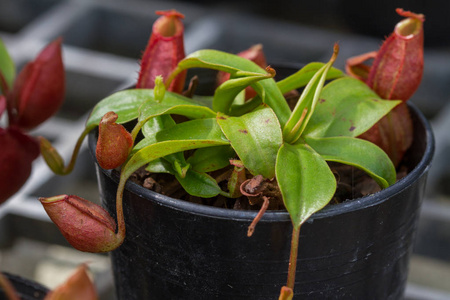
pixel 217 60
pixel 150 130
pixel 161 149
pixel 240 109
pixel 203 129
pixel 256 138
pixel 236 66
pixel 127 103
pixel 194 183
pixel 199 184
pixel 151 109
pixel 173 104
pixel 305 180
pixel 304 75
pixel 307 103
pixel 155 125
pixel 358 153
pixel 190 130
pixel 189 135
pixel 7 68
pixel 240 98
pixel 211 159
pixel 347 107
pixel 160 165
pixel 152 113
pixel 124 103
pixel 226 93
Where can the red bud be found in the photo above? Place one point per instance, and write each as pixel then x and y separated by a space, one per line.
pixel 38 91
pixel 164 50
pixel 85 225
pixel 114 142
pixel 78 286
pixel 255 54
pixel 18 151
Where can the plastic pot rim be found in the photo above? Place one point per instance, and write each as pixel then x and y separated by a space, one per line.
pixel 283 216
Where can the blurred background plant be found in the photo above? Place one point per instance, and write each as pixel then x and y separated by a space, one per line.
pixel 30 99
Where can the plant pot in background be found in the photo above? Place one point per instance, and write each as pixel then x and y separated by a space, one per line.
pixel 26 289
pixel 357 249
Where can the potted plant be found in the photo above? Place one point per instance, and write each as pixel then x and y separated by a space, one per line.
pixel 276 165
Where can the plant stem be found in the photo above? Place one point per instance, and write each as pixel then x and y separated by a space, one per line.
pixel 73 159
pixel 293 257
pixel 137 128
pixel 119 209
pixel 258 217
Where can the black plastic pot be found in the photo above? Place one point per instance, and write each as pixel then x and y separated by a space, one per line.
pixel 26 289
pixel 359 249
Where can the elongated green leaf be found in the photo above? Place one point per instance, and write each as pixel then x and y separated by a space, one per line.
pixel 155 125
pixel 199 184
pixel 305 180
pixel 233 64
pixel 240 98
pixel 211 159
pixel 307 103
pixel 304 75
pixel 217 60
pixel 305 106
pixel 226 93
pixel 256 138
pixel 127 103
pixel 161 149
pixel 347 107
pixel 151 109
pixel 190 130
pixel 150 129
pixel 358 153
pixel 7 67
pixel 203 129
pixel 247 106
pixel 181 137
pixel 124 103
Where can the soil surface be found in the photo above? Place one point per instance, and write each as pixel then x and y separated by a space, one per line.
pixel 352 183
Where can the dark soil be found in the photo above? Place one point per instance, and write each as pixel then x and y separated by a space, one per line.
pixel 352 183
